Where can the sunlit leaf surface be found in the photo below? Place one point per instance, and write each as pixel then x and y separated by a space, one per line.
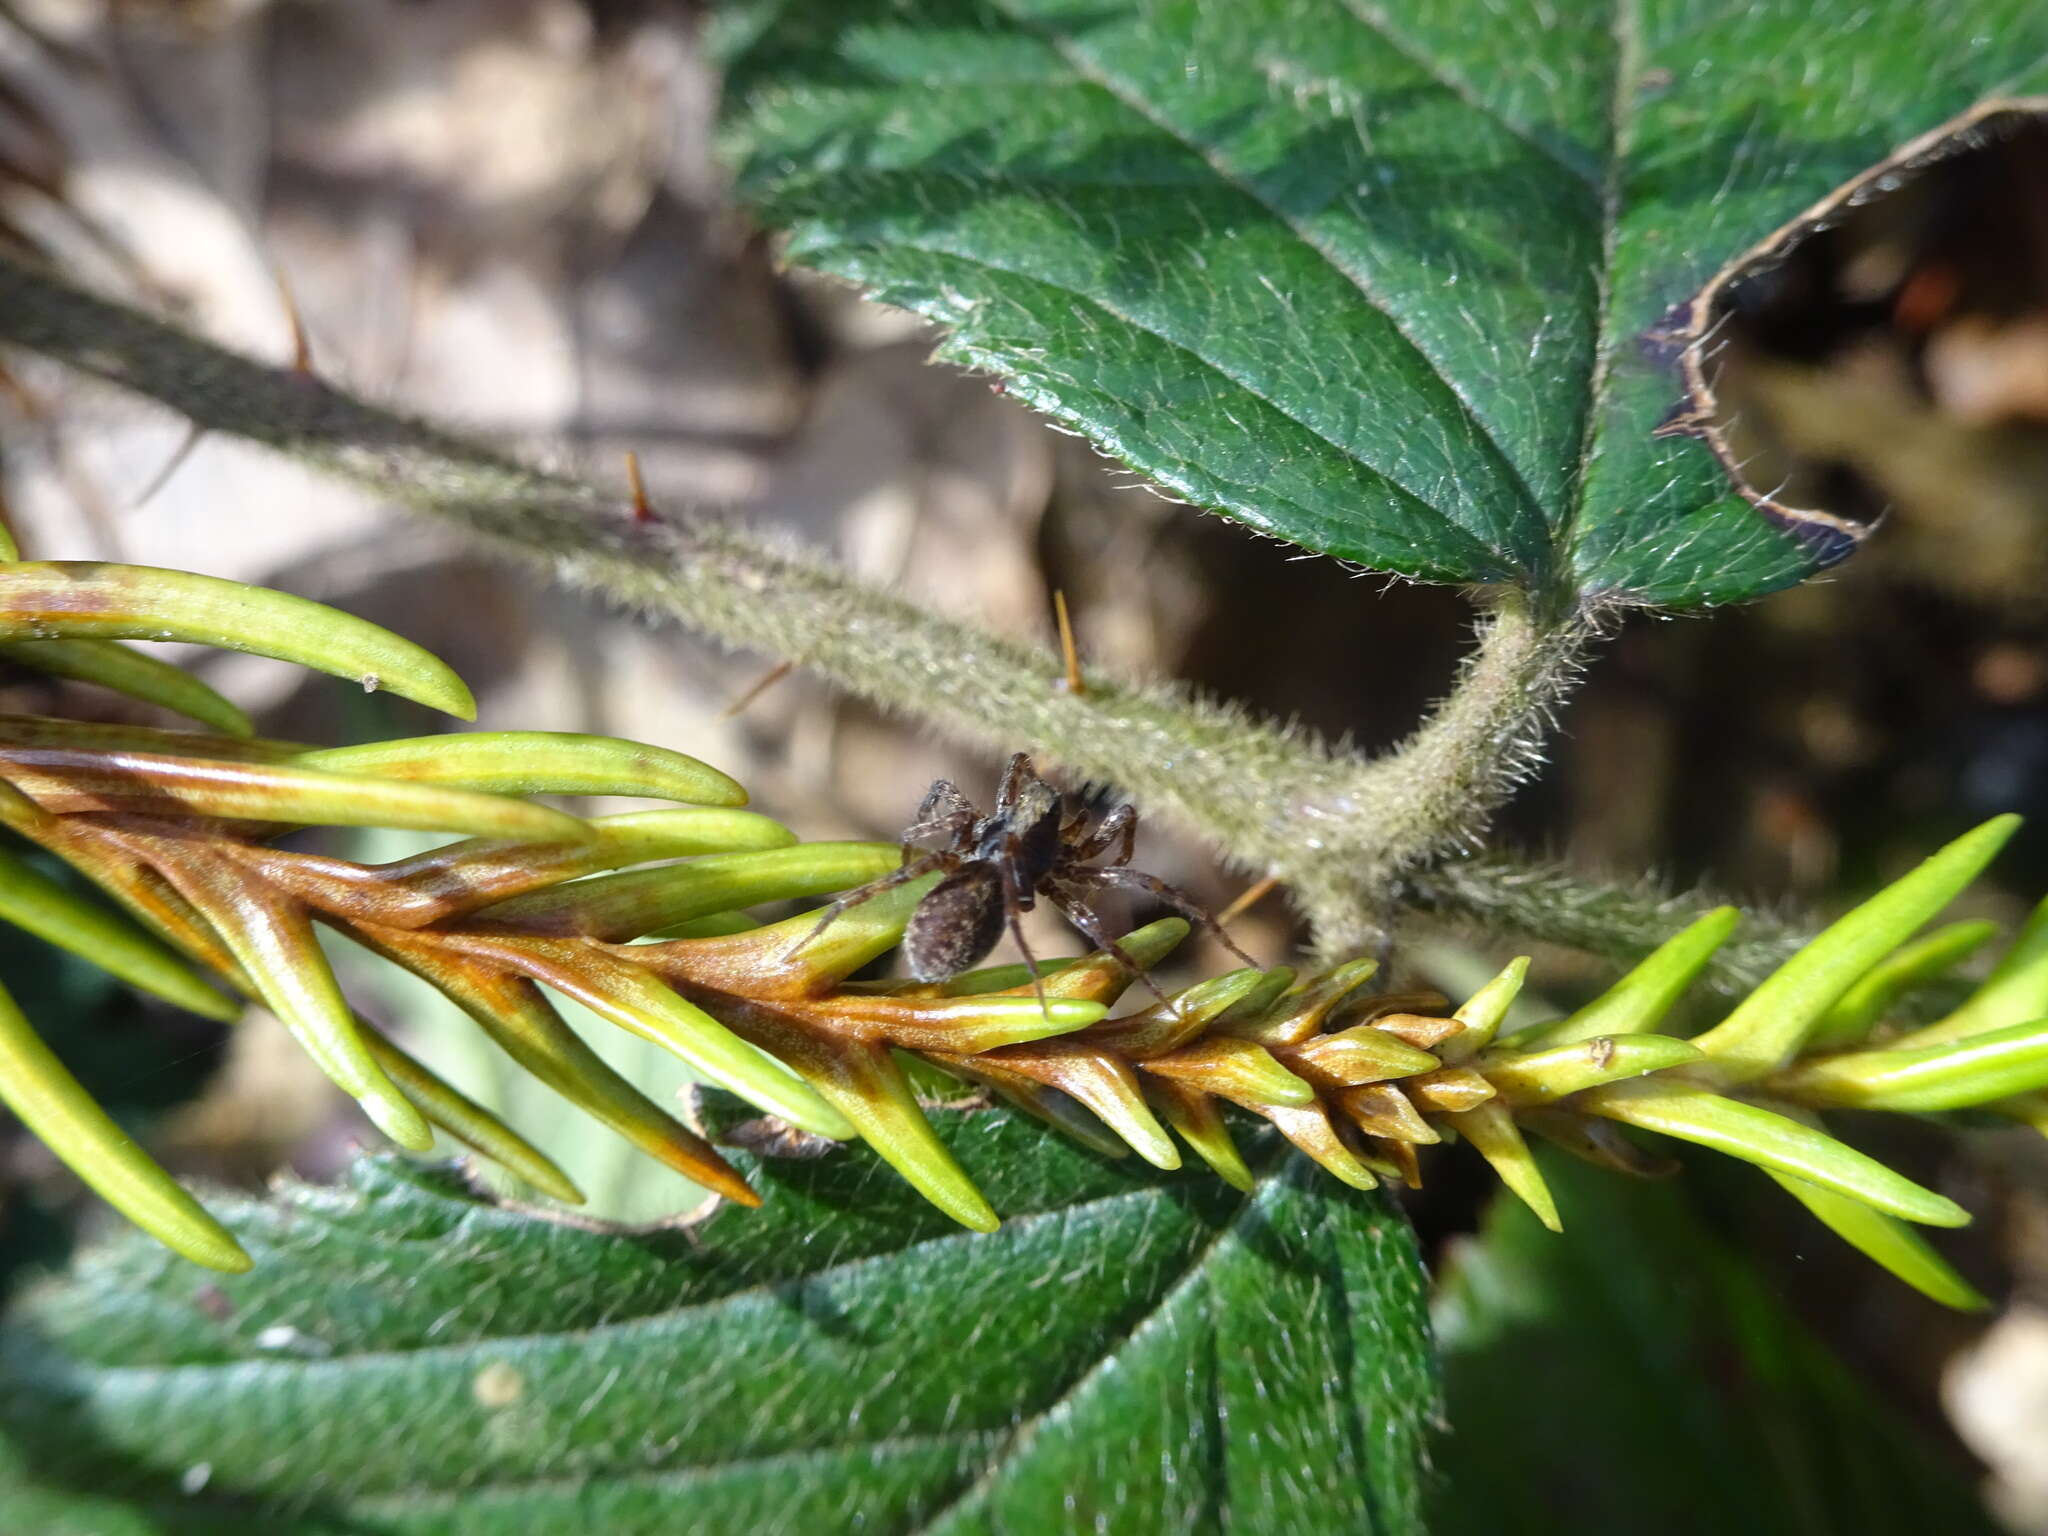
pixel 1157 1351
pixel 1373 278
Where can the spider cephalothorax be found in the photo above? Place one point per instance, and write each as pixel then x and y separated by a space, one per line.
pixel 1036 842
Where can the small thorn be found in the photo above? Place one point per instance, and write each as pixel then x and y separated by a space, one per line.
pixel 302 344
pixel 162 477
pixel 643 509
pixel 759 686
pixel 1072 682
pixel 1250 897
pixel 1684 419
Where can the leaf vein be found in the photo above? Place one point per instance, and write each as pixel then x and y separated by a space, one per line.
pixel 1376 21
pixel 1489 445
pixel 1022 1435
pixel 143 1374
pixel 425 1496
pixel 1096 301
pixel 1624 26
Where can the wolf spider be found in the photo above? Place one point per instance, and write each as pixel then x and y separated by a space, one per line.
pixel 1036 843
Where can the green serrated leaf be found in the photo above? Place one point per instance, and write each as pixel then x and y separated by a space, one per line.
pixel 408 1361
pixel 1372 279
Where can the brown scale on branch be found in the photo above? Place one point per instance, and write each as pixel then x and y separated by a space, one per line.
pixel 488 921
pixel 171 834
pixel 1358 1081
pixel 644 919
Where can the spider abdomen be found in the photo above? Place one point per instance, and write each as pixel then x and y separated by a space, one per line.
pixel 997 866
pixel 955 927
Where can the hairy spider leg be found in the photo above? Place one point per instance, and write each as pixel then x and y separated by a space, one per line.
pixel 1118 829
pixel 1173 896
pixel 911 869
pixel 1073 906
pixel 1019 898
pixel 955 822
pixel 955 827
pixel 942 801
pixel 1014 774
pixel 1088 801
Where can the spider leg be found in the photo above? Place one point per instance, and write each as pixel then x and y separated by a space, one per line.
pixel 1073 906
pixel 943 801
pixel 1017 900
pixel 1118 830
pixel 956 828
pixel 1172 895
pixel 1013 782
pixel 909 870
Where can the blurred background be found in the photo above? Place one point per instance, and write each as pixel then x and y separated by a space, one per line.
pixel 507 214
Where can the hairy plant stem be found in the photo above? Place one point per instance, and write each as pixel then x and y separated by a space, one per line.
pixel 1336 827
pixel 1621 920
